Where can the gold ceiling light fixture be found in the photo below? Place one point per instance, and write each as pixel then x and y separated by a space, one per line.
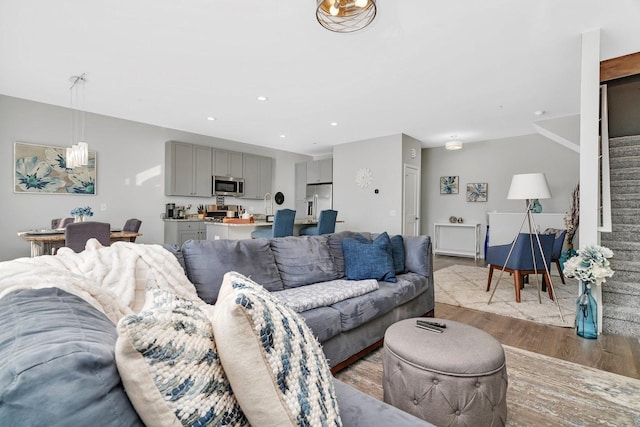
pixel 78 153
pixel 345 16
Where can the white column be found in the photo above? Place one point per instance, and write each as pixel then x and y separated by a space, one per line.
pixel 589 116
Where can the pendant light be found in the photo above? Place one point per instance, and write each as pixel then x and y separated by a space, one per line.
pixel 345 16
pixel 78 154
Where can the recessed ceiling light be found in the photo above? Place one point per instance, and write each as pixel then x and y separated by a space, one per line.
pixel 334 123
pixel 539 112
pixel 283 135
pixel 262 98
pixel 211 118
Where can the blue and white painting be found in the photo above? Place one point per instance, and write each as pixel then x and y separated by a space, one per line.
pixel 42 169
pixel 448 185
pixel 477 192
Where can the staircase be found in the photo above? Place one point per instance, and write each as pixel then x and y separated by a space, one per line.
pixel 621 293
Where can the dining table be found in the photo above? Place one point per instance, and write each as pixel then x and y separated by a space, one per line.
pixel 47 241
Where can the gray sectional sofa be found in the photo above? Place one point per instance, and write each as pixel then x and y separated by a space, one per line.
pixel 348 328
pixel 57 350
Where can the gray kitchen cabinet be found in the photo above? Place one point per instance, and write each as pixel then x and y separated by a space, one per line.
pixel 228 163
pixel 258 171
pixel 178 232
pixel 187 169
pixel 301 180
pixel 320 171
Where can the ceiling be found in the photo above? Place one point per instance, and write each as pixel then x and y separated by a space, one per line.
pixel 474 69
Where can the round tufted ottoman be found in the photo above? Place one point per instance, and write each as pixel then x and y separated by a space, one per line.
pixel 454 378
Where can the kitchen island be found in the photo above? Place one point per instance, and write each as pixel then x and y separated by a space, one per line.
pixel 220 230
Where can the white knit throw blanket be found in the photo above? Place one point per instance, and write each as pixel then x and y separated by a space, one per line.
pixel 113 278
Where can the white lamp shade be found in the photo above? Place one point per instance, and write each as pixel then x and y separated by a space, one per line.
pixel 529 186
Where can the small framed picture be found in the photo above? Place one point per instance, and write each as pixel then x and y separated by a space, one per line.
pixel 477 192
pixel 448 185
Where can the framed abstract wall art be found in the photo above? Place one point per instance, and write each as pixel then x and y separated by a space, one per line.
pixel 41 169
pixel 448 185
pixel 477 192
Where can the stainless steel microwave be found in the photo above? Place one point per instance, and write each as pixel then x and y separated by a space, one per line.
pixel 228 186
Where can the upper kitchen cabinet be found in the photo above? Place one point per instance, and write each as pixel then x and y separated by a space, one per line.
pixel 228 163
pixel 257 176
pixel 320 171
pixel 187 169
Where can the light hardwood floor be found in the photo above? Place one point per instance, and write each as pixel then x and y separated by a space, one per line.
pixel 612 353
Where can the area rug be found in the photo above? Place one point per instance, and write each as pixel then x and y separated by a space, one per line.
pixel 542 391
pixel 465 286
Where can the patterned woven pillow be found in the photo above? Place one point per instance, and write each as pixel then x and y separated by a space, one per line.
pixel 277 369
pixel 170 367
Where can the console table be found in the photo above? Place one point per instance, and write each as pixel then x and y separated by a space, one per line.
pixel 457 239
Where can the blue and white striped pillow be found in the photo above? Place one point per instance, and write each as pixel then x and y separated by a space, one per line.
pixel 274 363
pixel 169 365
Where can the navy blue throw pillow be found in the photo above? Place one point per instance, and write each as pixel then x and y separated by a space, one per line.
pixel 368 260
pixel 397 252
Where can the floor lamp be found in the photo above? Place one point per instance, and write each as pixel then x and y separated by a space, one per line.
pixel 530 186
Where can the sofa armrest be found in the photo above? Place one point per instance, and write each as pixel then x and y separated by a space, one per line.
pixel 361 410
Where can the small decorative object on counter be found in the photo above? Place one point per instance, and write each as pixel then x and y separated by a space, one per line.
pixel 453 219
pixel 591 267
pixel 460 220
pixel 81 214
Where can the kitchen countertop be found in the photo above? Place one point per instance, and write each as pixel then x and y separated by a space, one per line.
pixel 190 219
pixel 262 223
pixel 259 223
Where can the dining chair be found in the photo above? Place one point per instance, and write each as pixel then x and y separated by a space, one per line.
pixel 77 234
pixel 520 262
pixel 132 225
pixel 326 224
pixel 61 222
pixel 282 225
pixel 558 242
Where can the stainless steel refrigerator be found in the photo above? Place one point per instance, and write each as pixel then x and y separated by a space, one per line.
pixel 319 197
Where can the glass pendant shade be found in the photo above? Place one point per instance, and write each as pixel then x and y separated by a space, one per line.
pixel 78 154
pixel 345 16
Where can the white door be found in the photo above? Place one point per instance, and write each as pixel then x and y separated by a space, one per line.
pixel 411 201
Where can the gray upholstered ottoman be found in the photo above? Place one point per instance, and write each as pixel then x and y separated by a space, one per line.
pixel 454 378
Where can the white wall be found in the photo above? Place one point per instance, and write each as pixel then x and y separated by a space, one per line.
pixel 362 209
pixel 130 171
pixel 495 162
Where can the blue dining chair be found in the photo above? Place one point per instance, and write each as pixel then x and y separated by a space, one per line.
pixel 326 224
pixel 282 225
pixel 556 252
pixel 520 262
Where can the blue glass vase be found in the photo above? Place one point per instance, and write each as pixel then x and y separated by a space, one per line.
pixel 535 206
pixel 586 314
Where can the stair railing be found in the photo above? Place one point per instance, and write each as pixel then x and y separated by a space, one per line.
pixel 604 180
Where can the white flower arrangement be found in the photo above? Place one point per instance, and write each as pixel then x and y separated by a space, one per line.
pixel 590 266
